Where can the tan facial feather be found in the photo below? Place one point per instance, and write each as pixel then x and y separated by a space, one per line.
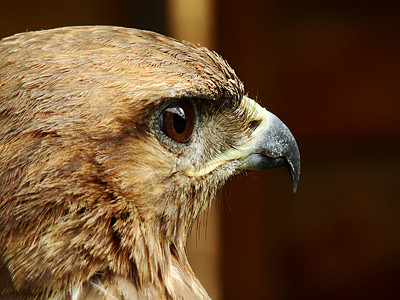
pixel 87 191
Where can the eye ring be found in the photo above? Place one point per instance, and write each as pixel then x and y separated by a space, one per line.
pixel 177 121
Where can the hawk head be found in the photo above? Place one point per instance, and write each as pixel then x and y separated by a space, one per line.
pixel 113 142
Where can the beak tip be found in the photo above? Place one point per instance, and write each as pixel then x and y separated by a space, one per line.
pixel 294 185
pixel 294 168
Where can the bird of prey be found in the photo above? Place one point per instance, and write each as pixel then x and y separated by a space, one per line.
pixel 113 141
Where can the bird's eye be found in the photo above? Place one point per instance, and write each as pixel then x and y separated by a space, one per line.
pixel 177 122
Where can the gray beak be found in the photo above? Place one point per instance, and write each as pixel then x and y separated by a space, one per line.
pixel 275 147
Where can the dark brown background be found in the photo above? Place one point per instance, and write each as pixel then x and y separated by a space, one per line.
pixel 331 72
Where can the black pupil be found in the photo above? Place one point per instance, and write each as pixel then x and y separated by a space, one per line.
pixel 179 119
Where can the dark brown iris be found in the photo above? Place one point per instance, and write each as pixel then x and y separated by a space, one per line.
pixel 177 121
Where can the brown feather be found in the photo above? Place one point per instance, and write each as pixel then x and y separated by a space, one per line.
pixel 91 203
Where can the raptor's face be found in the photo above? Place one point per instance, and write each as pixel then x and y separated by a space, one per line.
pixel 112 142
pixel 202 142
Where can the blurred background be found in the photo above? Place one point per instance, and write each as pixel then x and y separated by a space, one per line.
pixel 330 70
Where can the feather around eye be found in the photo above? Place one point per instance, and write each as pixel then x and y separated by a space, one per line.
pixel 177 122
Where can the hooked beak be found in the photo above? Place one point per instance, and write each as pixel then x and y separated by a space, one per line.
pixel 274 147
